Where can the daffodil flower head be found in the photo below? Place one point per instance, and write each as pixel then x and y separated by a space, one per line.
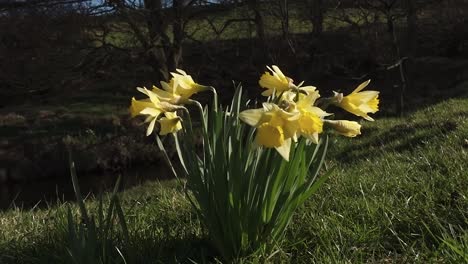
pixel 170 123
pixel 167 95
pixel 345 127
pixel 275 81
pixel 179 89
pixel 152 107
pixel 275 127
pixel 183 84
pixel 359 103
pixel 310 123
pixel 138 105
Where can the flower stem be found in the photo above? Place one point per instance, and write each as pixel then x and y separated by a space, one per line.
pixel 215 94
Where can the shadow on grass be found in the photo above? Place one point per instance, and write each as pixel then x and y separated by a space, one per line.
pixel 402 137
pixel 191 249
pixel 54 249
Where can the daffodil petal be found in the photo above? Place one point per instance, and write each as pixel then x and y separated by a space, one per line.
pixel 319 112
pixel 310 90
pixel 285 149
pixel 151 111
pixel 267 92
pixel 150 127
pixel 252 116
pixel 364 97
pixel 278 72
pixel 167 87
pixel 181 71
pixel 153 97
pixel 138 105
pixel 361 86
pixel 163 95
pixel 170 123
pixel 312 137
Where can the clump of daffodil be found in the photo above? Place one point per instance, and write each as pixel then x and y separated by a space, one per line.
pixel 152 108
pixel 162 104
pixel 345 127
pixel 359 103
pixel 252 191
pixel 275 127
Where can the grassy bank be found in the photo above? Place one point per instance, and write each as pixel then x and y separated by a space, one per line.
pixel 399 194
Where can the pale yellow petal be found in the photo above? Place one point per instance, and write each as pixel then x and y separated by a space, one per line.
pixel 285 149
pixel 168 87
pixel 319 112
pixel 278 72
pixel 164 95
pixel 363 97
pixel 143 90
pixel 314 137
pixel 170 123
pixel 267 92
pixel 181 71
pixel 151 111
pixel 252 116
pixel 150 127
pixel 310 89
pixel 138 105
pixel 153 97
pixel 361 86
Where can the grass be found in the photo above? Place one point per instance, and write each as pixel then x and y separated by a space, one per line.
pixel 399 194
pixel 205 29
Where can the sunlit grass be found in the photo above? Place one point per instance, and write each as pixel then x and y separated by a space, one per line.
pixel 397 193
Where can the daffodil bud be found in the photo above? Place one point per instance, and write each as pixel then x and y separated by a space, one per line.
pixel 345 127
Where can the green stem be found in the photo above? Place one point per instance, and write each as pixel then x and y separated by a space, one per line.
pixel 202 115
pixel 215 94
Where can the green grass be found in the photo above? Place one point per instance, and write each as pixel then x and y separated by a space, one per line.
pixel 399 194
pixel 204 28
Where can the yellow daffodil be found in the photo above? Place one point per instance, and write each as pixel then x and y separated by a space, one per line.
pixel 359 103
pixel 309 89
pixel 275 127
pixel 345 127
pixel 152 108
pixel 275 81
pixel 138 105
pixel 310 123
pixel 179 89
pixel 170 123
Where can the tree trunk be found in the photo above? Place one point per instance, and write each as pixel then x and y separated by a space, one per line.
pixel 317 17
pixel 160 42
pixel 284 13
pixel 401 65
pixel 175 54
pixel 259 25
pixel 412 44
pixel 412 25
